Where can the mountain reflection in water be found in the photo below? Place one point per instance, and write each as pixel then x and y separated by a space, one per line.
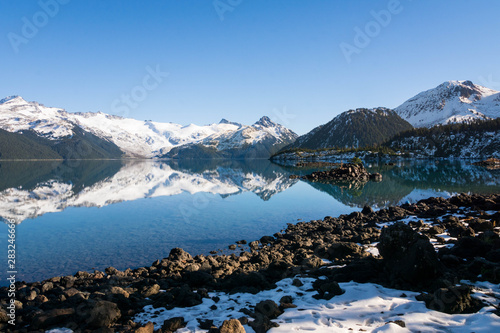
pixel 32 189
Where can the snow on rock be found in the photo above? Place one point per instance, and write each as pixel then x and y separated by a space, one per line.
pixel 136 138
pixel 451 102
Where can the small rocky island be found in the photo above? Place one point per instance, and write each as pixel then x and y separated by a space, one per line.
pixel 490 163
pixel 345 172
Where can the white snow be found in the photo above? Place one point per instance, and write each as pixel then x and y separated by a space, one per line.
pixel 451 102
pixel 136 138
pixel 363 307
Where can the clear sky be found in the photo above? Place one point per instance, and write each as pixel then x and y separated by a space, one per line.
pixel 299 62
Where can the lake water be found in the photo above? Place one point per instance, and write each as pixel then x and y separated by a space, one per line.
pixel 86 215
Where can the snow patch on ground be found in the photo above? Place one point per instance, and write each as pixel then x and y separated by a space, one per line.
pixel 363 307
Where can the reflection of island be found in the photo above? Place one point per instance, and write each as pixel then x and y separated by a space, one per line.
pixel 54 186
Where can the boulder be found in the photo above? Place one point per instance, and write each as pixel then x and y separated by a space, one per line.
pixel 232 326
pixel 103 314
pixel 452 300
pixel 409 258
pixel 173 324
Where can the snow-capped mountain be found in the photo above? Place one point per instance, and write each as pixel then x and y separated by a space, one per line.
pixel 137 180
pixel 451 102
pixel 134 137
pixel 354 128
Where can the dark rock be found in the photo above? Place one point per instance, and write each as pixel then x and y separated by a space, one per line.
pixel 267 239
pixel 470 247
pixel 103 314
pixel 327 289
pixel 399 322
pixel 454 299
pixel 232 247
pixel 367 210
pixel 178 254
pixel 205 324
pixel 268 308
pixel 409 258
pixel 262 324
pixel 341 250
pixel 173 324
pixel 52 318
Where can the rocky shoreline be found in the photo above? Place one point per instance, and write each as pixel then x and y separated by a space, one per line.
pixel 427 247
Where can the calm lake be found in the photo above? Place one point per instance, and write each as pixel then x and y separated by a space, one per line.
pixel 86 215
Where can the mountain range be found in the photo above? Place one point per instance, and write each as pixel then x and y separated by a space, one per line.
pixel 100 135
pixel 450 102
pixel 30 130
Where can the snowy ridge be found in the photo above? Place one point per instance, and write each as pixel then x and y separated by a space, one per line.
pixel 136 138
pixel 451 102
pixel 135 181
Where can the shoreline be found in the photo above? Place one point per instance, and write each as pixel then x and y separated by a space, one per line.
pixel 458 226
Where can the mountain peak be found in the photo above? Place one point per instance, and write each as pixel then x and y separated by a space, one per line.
pixel 225 121
pixel 265 121
pixel 450 102
pixel 11 98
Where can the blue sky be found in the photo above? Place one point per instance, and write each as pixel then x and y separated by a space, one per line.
pixel 242 59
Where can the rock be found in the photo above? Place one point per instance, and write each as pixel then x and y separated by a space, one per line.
pixel 173 324
pixel 327 289
pixel 398 322
pixel 119 291
pixel 341 250
pixel 367 210
pixel 70 292
pixel 52 318
pixel 269 309
pixel 267 239
pixel 312 262
pixel 150 290
pixel 205 324
pixel 232 247
pixel 232 326
pixel 377 177
pixel 262 324
pixel 409 258
pixel 3 316
pixel 254 245
pixel 103 314
pixel 470 247
pixel 47 286
pixel 241 242
pixel 178 254
pixel 452 300
pixel 148 328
